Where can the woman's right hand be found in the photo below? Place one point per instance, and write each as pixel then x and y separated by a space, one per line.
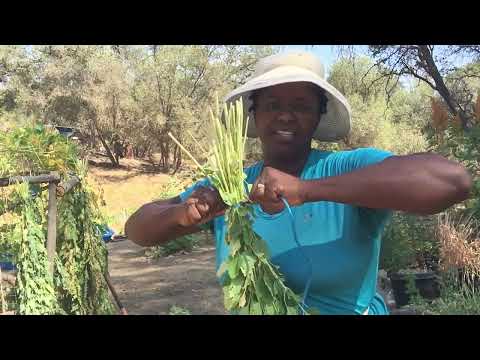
pixel 203 205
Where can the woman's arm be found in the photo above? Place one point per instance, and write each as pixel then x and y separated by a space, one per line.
pixel 160 221
pixel 420 183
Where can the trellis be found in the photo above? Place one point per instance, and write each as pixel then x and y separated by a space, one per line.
pixel 56 188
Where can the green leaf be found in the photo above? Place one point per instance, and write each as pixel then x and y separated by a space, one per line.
pixel 235 247
pixel 235 288
pixel 270 309
pixel 223 267
pixel 256 308
pixel 244 311
pixel 233 267
pixel 262 291
pixel 243 300
pixel 292 310
pixel 259 247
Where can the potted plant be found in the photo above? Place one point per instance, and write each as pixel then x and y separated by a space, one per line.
pixel 410 257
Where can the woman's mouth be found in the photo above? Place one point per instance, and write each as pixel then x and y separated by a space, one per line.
pixel 284 134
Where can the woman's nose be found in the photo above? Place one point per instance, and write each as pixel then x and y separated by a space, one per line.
pixel 286 116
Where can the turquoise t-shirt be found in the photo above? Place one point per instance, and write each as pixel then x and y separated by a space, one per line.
pixel 342 241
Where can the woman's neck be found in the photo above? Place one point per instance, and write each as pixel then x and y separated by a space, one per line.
pixel 292 164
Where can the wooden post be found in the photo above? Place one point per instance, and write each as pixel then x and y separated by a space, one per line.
pixel 52 177
pixel 52 224
pixel 66 186
pixel 122 308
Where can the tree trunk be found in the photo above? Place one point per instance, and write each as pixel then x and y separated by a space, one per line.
pixel 167 155
pixel 177 159
pixel 426 55
pixel 161 162
pixel 106 147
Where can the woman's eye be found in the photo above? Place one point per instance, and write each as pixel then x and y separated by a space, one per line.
pixel 302 108
pixel 273 106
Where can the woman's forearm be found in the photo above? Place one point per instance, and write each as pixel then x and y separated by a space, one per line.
pixel 421 183
pixel 156 223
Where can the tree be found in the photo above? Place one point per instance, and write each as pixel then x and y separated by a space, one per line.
pixel 138 93
pixel 177 84
pixel 426 64
pixel 357 75
pixel 381 114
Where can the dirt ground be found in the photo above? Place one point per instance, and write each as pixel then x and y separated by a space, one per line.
pixel 149 286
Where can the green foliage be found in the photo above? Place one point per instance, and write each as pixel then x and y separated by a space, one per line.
pixel 358 76
pixel 252 285
pixel 82 256
pixel 384 114
pixel 411 105
pixel 372 126
pixel 464 147
pixel 464 85
pixel 184 243
pixel 35 148
pixel 409 243
pixel 34 289
pixel 178 310
pixel 456 298
pixel 77 285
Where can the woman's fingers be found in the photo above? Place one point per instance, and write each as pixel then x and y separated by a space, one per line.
pixel 193 214
pixel 258 190
pixel 203 208
pixel 210 196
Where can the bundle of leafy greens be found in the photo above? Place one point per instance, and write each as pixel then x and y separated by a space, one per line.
pixel 251 283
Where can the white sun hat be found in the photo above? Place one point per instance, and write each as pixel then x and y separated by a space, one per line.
pixel 297 67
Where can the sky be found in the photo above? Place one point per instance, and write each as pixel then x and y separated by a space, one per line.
pixel 327 53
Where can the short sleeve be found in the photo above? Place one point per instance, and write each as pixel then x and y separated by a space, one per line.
pixel 347 161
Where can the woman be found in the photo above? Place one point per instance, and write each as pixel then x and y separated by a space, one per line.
pixel 340 200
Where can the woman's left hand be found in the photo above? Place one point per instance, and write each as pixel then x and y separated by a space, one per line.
pixel 271 185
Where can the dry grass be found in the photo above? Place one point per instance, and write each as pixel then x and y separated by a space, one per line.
pixel 459 245
pixel 126 189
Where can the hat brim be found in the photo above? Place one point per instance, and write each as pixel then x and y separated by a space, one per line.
pixel 334 125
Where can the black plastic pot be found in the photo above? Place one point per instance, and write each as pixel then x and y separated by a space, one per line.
pixel 425 282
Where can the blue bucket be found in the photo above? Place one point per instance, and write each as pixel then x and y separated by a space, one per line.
pixel 6 264
pixel 107 234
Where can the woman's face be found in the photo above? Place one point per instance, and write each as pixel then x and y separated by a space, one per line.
pixel 286 117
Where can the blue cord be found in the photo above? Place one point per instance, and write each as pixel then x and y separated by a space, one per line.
pixel 303 306
pixel 294 230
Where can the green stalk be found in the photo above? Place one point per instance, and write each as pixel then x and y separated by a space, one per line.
pixel 243 293
pixel 185 150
